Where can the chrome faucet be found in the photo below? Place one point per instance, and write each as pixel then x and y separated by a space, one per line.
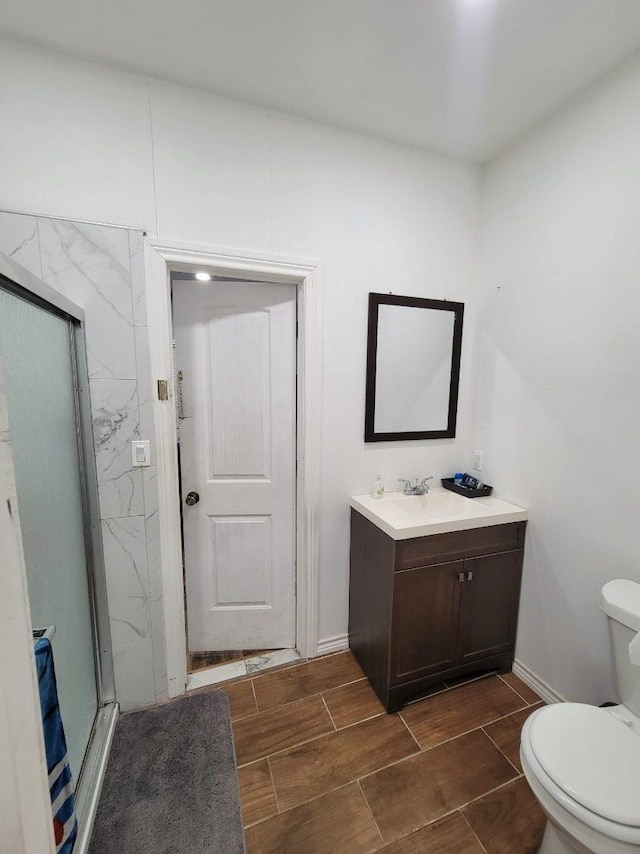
pixel 419 488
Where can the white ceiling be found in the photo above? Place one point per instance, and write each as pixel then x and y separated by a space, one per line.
pixel 463 77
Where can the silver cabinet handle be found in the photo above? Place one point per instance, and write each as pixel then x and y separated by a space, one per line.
pixel 470 575
pixel 461 577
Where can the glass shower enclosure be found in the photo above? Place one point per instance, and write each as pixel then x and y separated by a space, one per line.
pixel 42 349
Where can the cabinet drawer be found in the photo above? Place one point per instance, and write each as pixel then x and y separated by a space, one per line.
pixel 439 548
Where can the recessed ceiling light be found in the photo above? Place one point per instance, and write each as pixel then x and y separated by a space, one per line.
pixel 203 277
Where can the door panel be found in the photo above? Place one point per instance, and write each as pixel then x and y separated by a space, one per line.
pixel 238 394
pixel 235 346
pixel 489 609
pixel 241 541
pixel 426 604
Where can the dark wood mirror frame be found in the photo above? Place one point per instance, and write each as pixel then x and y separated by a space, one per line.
pixel 375 300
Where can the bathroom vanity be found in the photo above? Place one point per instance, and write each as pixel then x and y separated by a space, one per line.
pixel 434 588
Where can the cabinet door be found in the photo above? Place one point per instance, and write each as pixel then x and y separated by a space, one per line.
pixel 489 609
pixel 426 609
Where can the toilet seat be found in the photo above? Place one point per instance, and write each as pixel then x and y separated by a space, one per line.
pixel 592 756
pixel 571 738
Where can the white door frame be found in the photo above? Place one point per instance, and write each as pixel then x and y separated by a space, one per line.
pixel 161 257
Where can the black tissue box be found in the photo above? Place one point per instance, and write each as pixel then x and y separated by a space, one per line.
pixel 485 489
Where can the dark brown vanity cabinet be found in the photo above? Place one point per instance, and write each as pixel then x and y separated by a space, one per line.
pixel 425 610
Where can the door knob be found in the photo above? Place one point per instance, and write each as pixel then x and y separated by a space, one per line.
pixel 192 498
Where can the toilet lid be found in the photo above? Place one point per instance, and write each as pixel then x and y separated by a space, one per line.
pixel 593 756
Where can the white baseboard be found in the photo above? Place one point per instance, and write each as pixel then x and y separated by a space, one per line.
pixel 535 683
pixel 338 643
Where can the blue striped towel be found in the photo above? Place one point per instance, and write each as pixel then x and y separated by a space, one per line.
pixel 65 825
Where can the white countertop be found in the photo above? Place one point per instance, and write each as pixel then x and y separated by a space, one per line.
pixel 439 512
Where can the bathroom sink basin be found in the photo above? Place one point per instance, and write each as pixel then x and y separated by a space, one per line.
pixel 438 512
pixel 433 505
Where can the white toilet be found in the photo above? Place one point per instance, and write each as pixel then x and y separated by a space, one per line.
pixel 583 762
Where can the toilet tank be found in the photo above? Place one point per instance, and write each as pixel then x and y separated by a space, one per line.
pixel 621 603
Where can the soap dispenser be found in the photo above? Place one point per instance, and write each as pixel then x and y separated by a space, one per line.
pixel 378 487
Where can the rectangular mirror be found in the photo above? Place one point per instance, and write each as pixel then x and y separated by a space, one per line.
pixel 413 368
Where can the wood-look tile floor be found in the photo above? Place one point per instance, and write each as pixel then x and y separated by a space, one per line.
pixel 324 770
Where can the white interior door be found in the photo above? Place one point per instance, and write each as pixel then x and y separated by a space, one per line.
pixel 236 348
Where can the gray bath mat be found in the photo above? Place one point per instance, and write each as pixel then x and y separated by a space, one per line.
pixel 171 785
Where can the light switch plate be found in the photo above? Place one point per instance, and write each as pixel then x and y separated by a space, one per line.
pixel 140 453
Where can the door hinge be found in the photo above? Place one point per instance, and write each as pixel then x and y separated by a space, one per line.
pixel 163 389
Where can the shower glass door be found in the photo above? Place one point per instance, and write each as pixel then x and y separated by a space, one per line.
pixel 38 354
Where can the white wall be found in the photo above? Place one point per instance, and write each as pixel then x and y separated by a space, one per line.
pixel 557 405
pixel 85 142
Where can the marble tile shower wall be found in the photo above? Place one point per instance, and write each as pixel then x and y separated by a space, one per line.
pixel 102 270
